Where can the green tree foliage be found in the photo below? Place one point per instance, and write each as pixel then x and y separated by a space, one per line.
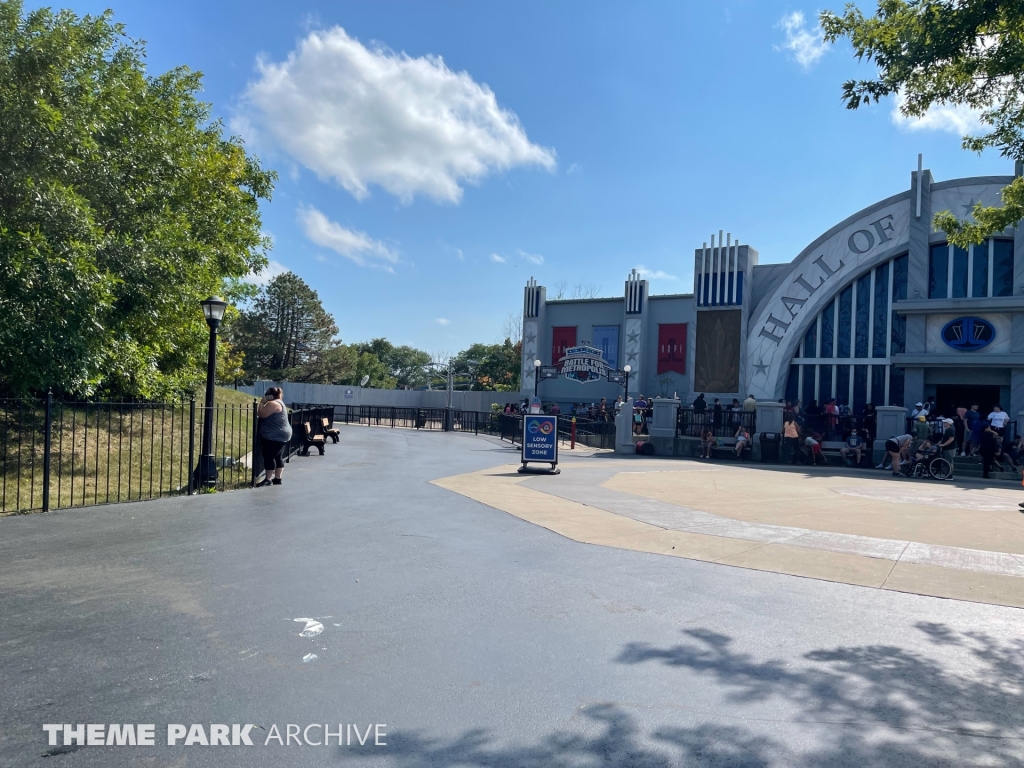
pixel 287 334
pixel 406 365
pixel 492 367
pixel 122 206
pixel 969 52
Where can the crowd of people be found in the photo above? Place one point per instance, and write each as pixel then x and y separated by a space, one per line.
pixel 601 411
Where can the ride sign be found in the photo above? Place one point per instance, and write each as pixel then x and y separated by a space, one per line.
pixel 540 439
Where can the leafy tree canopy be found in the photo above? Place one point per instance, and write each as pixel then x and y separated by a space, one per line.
pixel 406 365
pixel 122 206
pixel 968 52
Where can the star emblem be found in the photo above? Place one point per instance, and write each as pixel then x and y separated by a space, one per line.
pixel 760 367
pixel 530 338
pixel 633 336
pixel 969 206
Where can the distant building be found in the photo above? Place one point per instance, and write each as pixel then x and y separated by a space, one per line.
pixel 879 309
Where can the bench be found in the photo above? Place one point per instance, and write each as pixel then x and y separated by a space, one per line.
pixel 728 451
pixel 331 432
pixel 312 440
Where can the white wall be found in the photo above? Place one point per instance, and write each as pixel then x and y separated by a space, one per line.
pixel 336 394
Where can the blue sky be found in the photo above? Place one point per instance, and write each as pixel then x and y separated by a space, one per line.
pixel 435 155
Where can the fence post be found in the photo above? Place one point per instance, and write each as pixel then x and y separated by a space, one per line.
pixel 255 438
pixel 47 443
pixel 191 445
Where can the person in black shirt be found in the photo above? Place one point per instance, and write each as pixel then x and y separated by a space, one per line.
pixel 700 404
pixel 988 449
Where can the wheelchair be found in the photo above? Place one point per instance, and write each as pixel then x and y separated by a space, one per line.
pixel 933 466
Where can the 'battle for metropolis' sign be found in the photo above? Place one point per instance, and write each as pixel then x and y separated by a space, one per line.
pixel 583 363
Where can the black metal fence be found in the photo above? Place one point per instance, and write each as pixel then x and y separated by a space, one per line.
pixel 690 423
pixel 593 433
pixel 58 454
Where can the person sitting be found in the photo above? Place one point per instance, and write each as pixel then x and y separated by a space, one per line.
pixel 1015 451
pixel 854 448
pixel 925 451
pixel 742 441
pixel 707 442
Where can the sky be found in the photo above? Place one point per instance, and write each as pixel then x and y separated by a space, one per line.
pixel 433 156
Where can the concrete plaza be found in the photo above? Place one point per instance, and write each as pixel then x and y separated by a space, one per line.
pixel 484 638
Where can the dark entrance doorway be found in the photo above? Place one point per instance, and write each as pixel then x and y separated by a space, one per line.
pixel 949 397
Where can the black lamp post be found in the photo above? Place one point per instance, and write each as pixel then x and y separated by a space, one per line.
pixel 626 369
pixel 206 471
pixel 536 376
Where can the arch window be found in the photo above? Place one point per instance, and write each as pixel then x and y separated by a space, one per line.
pixel 846 352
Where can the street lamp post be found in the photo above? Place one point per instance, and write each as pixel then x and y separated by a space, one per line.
pixel 536 376
pixel 626 369
pixel 206 471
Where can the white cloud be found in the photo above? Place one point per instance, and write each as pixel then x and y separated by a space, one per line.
pixel 497 259
pixel 364 116
pixel 654 274
pixel 350 243
pixel 573 169
pixel 272 270
pixel 533 258
pixel 442 321
pixel 806 46
pixel 959 119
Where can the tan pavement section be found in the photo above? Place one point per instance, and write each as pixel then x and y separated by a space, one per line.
pixel 923 511
pixel 499 488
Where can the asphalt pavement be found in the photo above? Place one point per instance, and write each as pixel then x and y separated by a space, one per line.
pixel 359 593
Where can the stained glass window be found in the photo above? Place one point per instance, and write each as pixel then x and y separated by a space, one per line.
pixel 979 278
pixel 863 310
pixel 827 326
pixel 959 287
pixel 899 293
pixel 1002 268
pixel 843 383
pixel 845 321
pixel 878 340
pixel 938 272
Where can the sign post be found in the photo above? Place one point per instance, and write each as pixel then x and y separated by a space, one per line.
pixel 540 443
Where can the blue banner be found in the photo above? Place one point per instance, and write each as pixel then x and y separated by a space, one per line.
pixel 606 338
pixel 540 438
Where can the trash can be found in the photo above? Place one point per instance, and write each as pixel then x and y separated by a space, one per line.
pixel 770 447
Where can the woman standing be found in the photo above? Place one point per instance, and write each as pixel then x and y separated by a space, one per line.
pixel 275 432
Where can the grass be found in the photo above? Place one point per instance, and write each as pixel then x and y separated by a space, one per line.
pixel 103 453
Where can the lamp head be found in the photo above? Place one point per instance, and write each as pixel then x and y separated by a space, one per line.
pixel 536 363
pixel 627 368
pixel 213 310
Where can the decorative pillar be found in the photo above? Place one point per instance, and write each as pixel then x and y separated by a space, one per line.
pixel 633 328
pixel 534 304
pixel 625 441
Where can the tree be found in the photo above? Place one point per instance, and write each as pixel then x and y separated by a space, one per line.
pixel 491 367
pixel 406 365
pixel 969 52
pixel 287 334
pixel 122 206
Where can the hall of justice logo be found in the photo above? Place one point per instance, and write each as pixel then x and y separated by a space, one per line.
pixel 583 363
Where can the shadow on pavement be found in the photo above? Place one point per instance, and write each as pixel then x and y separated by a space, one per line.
pixel 878 706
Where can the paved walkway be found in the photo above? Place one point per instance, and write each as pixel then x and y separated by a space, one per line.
pixel 946 540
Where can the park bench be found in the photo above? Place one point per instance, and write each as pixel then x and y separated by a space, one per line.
pixel 728 450
pixel 312 440
pixel 331 432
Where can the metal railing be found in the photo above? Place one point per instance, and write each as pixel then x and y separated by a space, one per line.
pixel 57 454
pixel 934 428
pixel 690 423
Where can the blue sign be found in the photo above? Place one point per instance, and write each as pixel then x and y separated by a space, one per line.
pixel 540 438
pixel 968 334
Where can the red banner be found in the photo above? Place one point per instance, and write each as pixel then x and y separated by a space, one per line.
pixel 672 348
pixel 561 339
